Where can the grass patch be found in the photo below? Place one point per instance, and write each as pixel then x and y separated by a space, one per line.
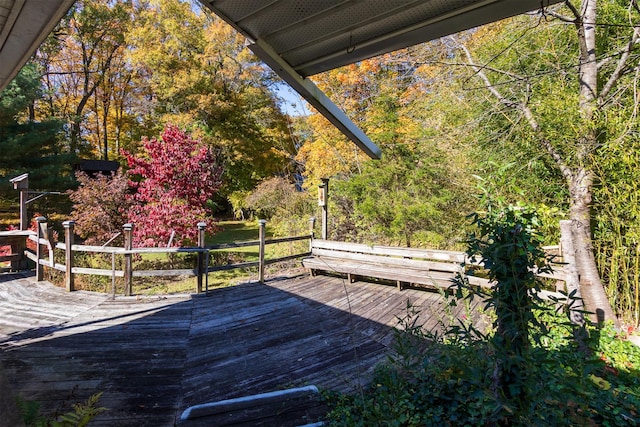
pixel 236 231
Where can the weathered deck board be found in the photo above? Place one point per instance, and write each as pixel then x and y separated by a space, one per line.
pixel 152 357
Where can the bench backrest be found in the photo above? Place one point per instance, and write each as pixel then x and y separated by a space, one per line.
pixel 427 259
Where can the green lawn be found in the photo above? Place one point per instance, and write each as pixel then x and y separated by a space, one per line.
pixel 235 231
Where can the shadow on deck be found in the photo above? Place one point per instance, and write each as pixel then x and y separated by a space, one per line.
pixel 152 357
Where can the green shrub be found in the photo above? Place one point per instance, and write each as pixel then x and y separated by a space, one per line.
pixel 441 380
pixel 529 370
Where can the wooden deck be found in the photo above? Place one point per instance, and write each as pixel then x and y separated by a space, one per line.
pixel 152 357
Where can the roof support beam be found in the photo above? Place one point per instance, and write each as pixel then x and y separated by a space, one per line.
pixel 310 92
pixel 28 23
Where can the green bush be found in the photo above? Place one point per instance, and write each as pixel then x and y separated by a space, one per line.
pixel 434 381
pixel 529 370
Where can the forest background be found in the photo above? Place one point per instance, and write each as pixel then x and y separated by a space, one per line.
pixel 457 119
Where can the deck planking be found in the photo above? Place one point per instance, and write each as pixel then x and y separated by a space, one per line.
pixel 152 357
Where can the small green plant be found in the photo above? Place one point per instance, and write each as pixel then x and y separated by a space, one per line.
pixel 80 415
pixel 508 245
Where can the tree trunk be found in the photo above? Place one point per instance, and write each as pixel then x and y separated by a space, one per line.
pixel 581 180
pixel 105 124
pixel 591 288
pixel 577 168
pixel 74 145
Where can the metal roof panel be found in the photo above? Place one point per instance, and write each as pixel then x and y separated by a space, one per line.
pixel 316 36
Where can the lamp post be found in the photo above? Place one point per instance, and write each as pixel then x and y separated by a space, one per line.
pixel 21 183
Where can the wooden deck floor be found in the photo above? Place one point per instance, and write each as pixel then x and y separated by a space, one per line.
pixel 152 357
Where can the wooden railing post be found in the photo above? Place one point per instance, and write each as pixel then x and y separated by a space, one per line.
pixel 312 227
pixel 41 233
pixel 128 260
pixel 51 243
pixel 262 224
pixel 24 217
pixel 324 204
pixel 201 244
pixel 68 255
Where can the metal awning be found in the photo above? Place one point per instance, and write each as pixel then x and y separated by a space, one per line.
pixel 24 24
pixel 297 38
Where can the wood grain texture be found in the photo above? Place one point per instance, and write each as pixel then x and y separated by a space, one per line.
pixel 152 357
pixel 402 266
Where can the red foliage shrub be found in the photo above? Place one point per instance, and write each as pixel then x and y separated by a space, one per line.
pixel 100 206
pixel 174 179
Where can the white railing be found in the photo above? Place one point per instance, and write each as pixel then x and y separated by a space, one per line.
pixel 126 253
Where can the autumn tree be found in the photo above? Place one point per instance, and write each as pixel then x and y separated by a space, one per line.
pixel 85 71
pixel 201 76
pixel 174 180
pixel 117 71
pixel 412 196
pixel 326 152
pixel 100 206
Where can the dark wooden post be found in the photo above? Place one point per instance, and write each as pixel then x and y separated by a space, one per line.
pixel 262 223
pixel 24 218
pixel 68 255
pixel 18 245
pixel 312 226
pixel 21 183
pixel 41 232
pixel 201 244
pixel 323 202
pixel 128 260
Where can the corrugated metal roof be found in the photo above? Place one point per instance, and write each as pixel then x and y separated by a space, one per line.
pixel 313 36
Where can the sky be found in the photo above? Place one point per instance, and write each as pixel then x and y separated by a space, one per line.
pixel 294 104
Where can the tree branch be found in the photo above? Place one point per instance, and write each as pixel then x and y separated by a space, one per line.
pixel 619 71
pixel 526 111
pixel 574 10
pixel 560 16
pixel 490 87
pixel 484 67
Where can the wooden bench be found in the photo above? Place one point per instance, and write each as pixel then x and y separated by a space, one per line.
pixel 425 267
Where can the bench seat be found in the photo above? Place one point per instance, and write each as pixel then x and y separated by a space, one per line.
pixel 403 265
